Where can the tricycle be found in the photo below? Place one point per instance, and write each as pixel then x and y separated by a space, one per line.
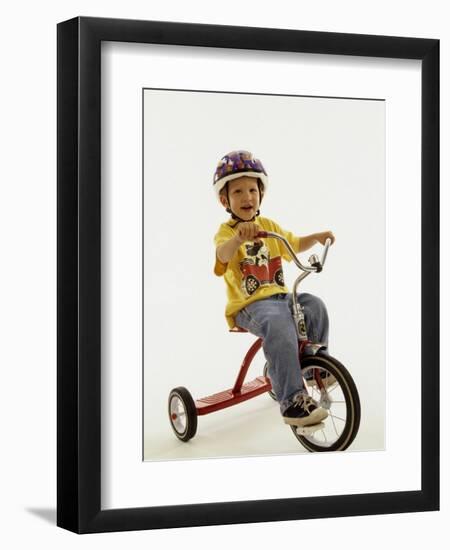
pixel 326 379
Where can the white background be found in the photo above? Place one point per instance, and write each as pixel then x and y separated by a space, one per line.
pixel 325 160
pixel 28 229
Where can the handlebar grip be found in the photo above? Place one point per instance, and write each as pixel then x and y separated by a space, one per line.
pixel 262 234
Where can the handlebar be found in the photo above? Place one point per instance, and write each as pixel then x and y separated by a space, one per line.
pixel 316 264
pixel 316 267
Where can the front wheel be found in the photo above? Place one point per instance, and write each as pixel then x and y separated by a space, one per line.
pixel 182 414
pixel 330 384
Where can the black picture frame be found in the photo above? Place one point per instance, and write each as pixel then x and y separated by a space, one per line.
pixel 79 275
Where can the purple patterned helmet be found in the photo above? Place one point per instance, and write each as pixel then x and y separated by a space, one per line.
pixel 237 164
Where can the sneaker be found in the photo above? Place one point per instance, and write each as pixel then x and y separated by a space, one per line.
pixel 304 412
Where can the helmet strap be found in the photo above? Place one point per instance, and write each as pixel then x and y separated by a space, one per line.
pixel 238 219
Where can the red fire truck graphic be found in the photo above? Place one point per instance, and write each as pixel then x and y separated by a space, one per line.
pixel 258 269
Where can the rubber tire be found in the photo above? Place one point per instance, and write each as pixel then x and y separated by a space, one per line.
pixel 353 405
pixel 191 413
pixel 266 375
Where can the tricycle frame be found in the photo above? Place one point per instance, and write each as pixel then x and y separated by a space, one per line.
pixel 240 391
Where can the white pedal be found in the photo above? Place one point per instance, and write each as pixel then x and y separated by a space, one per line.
pixel 309 430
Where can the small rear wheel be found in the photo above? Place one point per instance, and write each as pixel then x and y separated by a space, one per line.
pixel 330 384
pixel 182 414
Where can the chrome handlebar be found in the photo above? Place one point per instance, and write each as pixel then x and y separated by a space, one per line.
pixel 316 264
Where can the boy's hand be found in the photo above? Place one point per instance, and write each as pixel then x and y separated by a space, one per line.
pixel 247 231
pixel 322 237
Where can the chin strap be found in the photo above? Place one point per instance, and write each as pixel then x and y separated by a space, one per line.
pixel 238 219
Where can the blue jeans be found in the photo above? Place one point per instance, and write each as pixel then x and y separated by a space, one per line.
pixel 271 319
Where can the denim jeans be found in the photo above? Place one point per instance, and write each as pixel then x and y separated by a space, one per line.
pixel 271 319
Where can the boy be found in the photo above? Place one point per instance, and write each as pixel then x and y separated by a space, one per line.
pixel 258 301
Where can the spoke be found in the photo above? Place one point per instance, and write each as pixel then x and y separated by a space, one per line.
pixel 338 417
pixel 323 437
pixel 334 424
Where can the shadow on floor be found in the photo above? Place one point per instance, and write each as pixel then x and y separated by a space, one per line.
pixel 47 514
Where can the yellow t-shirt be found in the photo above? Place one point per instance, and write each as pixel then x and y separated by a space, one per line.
pixel 255 271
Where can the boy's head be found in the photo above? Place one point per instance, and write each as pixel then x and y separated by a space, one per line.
pixel 240 182
pixel 242 197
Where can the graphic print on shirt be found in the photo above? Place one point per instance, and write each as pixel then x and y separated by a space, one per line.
pixel 258 269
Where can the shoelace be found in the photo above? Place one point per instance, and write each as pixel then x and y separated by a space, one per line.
pixel 305 401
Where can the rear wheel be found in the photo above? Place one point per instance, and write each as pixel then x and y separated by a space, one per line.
pixel 331 385
pixel 182 414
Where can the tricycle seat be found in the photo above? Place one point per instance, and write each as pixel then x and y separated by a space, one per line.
pixel 238 329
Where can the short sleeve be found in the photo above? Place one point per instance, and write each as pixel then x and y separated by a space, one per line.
pixel 291 239
pixel 224 234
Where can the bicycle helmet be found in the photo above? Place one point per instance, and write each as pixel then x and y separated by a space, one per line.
pixel 237 164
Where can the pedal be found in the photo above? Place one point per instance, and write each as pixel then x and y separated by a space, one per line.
pixel 309 430
pixel 327 381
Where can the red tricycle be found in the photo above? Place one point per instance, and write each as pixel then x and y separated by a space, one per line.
pixel 327 381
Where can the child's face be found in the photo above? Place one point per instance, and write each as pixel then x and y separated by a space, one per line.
pixel 243 193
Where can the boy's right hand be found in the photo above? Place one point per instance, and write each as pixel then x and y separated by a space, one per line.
pixel 247 231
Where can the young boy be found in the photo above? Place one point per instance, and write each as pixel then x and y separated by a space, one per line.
pixel 258 300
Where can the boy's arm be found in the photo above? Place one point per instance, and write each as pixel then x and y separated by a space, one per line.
pixel 226 251
pixel 300 244
pixel 244 232
pixel 309 241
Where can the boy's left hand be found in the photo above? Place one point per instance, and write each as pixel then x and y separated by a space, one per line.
pixel 322 237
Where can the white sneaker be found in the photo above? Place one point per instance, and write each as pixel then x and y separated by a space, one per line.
pixel 304 412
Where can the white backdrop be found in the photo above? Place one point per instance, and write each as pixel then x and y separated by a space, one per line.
pixel 325 160
pixel 27 223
